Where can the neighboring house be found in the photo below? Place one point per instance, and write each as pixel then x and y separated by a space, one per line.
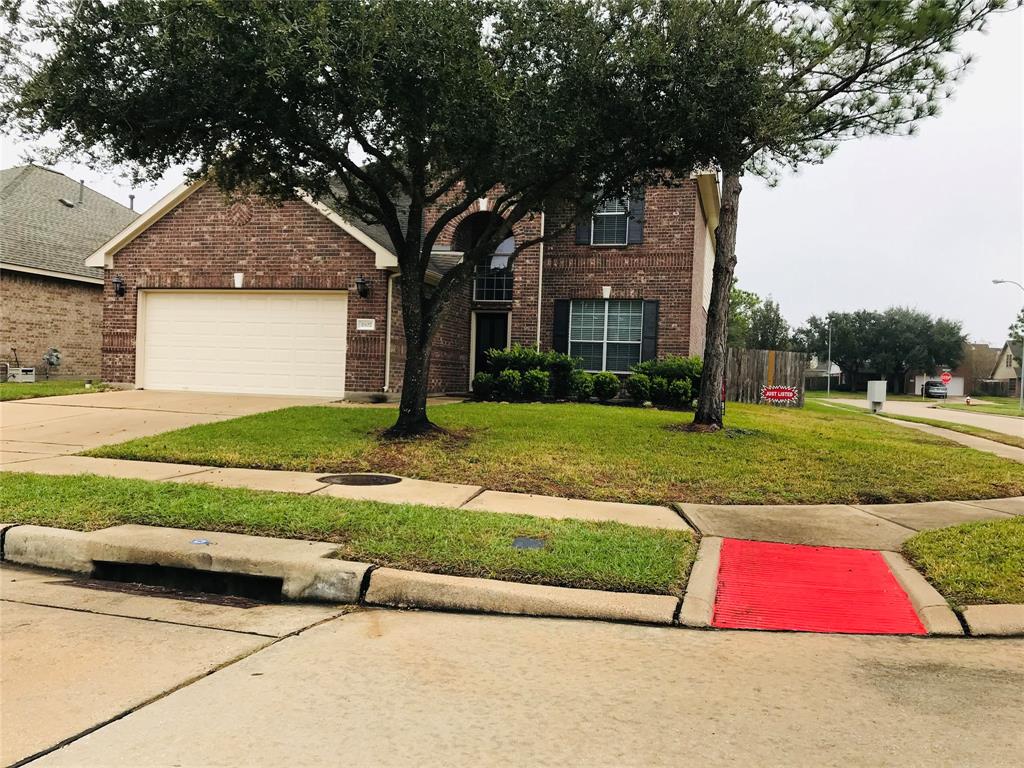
pixel 975 365
pixel 49 224
pixel 1006 371
pixel 210 293
pixel 819 371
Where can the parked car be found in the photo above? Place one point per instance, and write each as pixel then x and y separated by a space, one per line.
pixel 935 389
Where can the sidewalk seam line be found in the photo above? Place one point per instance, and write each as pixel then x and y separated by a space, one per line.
pixel 136 618
pixel 885 519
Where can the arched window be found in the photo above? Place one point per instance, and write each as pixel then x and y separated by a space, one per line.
pixel 493 278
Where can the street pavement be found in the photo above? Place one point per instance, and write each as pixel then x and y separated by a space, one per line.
pixel 134 680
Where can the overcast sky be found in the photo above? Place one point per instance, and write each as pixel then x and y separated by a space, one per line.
pixel 926 221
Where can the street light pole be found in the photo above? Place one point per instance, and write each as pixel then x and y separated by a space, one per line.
pixel 828 365
pixel 1020 362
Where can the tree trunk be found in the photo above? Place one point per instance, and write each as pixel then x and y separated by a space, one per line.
pixel 412 410
pixel 419 337
pixel 709 403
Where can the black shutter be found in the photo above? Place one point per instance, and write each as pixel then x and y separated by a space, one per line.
pixel 560 337
pixel 649 343
pixel 636 218
pixel 583 231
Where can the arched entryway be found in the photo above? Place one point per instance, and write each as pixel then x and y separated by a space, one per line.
pixel 492 287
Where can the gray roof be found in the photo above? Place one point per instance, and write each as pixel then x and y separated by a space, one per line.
pixel 440 262
pixel 40 232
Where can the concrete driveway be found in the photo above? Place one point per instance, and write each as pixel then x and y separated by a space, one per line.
pixel 127 680
pixel 1008 425
pixel 56 426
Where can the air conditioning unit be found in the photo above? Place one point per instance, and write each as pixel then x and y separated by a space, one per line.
pixel 16 373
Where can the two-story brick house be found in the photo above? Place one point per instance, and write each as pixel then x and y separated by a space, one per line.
pixel 207 292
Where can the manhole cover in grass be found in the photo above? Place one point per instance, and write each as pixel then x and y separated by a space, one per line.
pixel 527 542
pixel 360 478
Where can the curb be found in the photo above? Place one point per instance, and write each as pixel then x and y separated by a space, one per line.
pixel 699 600
pixel 994 620
pixel 307 571
pixel 412 589
pixel 936 615
pixel 303 568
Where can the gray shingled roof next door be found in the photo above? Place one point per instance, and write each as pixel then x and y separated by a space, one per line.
pixel 40 232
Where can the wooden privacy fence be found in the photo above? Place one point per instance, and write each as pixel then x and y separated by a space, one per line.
pixel 765 376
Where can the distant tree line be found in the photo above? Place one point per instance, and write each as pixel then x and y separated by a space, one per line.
pixel 888 344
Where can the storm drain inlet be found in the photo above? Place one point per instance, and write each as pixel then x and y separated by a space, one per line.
pixel 266 589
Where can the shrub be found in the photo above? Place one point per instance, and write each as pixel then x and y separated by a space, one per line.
pixel 667 375
pixel 606 386
pixel 581 386
pixel 561 367
pixel 509 385
pixel 483 386
pixel 535 384
pixel 672 367
pixel 659 389
pixel 639 387
pixel 515 358
pixel 680 393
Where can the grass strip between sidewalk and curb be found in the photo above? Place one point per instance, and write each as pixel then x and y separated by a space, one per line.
pixel 26 390
pixel 973 563
pixel 589 555
pixel 812 455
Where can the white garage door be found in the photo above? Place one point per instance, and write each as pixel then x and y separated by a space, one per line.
pixel 261 342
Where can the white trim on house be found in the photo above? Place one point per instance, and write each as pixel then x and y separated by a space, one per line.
pixel 4 266
pixel 103 256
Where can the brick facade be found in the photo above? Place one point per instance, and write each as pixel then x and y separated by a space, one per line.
pixel 208 238
pixel 662 268
pixel 38 313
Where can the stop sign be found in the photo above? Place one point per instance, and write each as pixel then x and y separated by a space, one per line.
pixel 946 377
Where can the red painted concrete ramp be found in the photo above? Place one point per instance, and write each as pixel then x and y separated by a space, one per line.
pixel 763 585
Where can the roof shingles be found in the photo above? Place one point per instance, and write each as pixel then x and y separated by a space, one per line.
pixel 40 232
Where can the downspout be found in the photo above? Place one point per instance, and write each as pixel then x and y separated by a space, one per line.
pixel 387 341
pixel 540 276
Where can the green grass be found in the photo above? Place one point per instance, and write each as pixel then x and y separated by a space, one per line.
pixel 590 555
pixel 967 429
pixel 23 391
pixel 973 563
pixel 998 406
pixel 817 454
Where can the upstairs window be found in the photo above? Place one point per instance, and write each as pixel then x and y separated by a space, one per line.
pixel 615 222
pixel 610 223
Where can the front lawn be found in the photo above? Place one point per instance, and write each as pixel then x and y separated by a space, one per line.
pixel 767 455
pixel 23 391
pixel 973 563
pixel 590 555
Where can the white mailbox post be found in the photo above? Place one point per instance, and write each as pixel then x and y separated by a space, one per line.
pixel 876 395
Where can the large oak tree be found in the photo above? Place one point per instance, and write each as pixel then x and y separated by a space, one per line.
pixel 392 108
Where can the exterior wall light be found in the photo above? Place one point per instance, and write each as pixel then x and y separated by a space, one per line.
pixel 362 287
pixel 119 286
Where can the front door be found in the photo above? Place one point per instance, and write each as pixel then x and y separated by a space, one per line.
pixel 491 333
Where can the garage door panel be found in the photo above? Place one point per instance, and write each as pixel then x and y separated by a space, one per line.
pixel 263 343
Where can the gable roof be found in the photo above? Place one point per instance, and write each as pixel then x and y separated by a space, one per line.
pixel 43 235
pixel 103 255
pixel 1016 349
